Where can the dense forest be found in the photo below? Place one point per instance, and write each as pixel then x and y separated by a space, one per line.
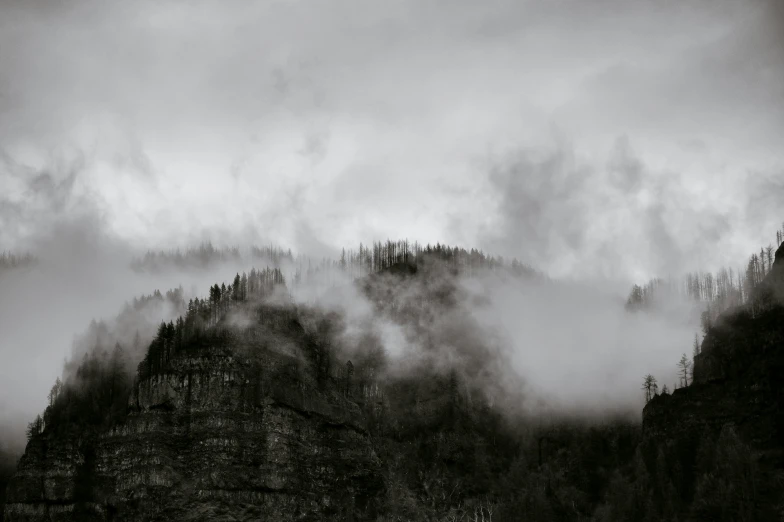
pixel 109 350
pixel 206 255
pixel 454 442
pixel 354 263
pixel 96 380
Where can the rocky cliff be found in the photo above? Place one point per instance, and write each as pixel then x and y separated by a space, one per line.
pixel 258 417
pixel 221 434
pixel 737 401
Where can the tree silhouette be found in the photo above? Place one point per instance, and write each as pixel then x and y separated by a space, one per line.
pixel 684 365
pixel 650 387
pixel 35 428
pixel 728 288
pixel 55 391
pixel 236 292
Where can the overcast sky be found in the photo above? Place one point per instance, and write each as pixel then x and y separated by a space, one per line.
pixel 590 137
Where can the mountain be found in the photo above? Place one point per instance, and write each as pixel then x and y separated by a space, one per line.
pixel 228 425
pixel 721 439
pixel 249 408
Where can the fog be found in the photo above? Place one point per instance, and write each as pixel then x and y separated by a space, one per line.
pixel 575 347
pixel 82 274
pixel 603 142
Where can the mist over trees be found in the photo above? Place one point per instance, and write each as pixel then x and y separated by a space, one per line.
pixel 104 355
pixel 457 385
pixel 353 262
pixel 10 261
pixel 206 255
pixel 96 379
pixel 109 355
pixel 716 294
pixel 107 348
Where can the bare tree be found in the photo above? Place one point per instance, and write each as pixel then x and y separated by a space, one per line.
pixel 649 386
pixel 684 365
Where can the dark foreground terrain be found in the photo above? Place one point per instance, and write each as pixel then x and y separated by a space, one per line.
pixel 247 410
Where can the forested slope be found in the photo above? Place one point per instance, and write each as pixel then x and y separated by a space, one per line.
pixel 247 406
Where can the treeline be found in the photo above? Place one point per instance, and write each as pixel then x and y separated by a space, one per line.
pixel 356 263
pixel 685 375
pixel 726 289
pixel 9 260
pixel 105 346
pixel 401 256
pixel 111 352
pixel 98 378
pixel 202 314
pixel 384 255
pixel 206 255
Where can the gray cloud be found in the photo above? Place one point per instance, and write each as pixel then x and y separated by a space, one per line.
pixel 379 106
pixel 624 219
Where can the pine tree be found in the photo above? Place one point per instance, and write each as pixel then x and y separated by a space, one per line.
pixel 35 427
pixel 635 300
pixel 649 386
pixel 684 365
pixel 235 294
pixel 55 391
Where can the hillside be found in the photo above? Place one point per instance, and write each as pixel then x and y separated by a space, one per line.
pixel 249 407
pixel 723 436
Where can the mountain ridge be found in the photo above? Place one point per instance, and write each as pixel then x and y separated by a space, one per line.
pixel 247 408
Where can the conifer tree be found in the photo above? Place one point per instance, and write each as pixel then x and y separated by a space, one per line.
pixel 236 288
pixel 55 391
pixel 684 365
pixel 649 386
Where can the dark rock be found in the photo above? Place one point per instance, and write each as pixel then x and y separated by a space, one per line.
pixel 217 436
pixel 738 386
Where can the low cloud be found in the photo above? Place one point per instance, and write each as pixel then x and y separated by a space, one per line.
pixel 616 141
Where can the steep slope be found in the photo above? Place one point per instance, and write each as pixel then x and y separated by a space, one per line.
pixel 229 429
pixel 249 410
pixel 731 415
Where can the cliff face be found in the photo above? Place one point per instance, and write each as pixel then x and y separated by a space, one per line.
pixel 267 424
pixel 736 399
pixel 219 435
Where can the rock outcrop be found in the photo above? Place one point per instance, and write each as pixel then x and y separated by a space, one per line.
pixel 221 434
pixel 738 388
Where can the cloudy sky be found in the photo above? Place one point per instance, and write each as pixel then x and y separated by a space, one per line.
pixel 587 137
pixel 593 139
